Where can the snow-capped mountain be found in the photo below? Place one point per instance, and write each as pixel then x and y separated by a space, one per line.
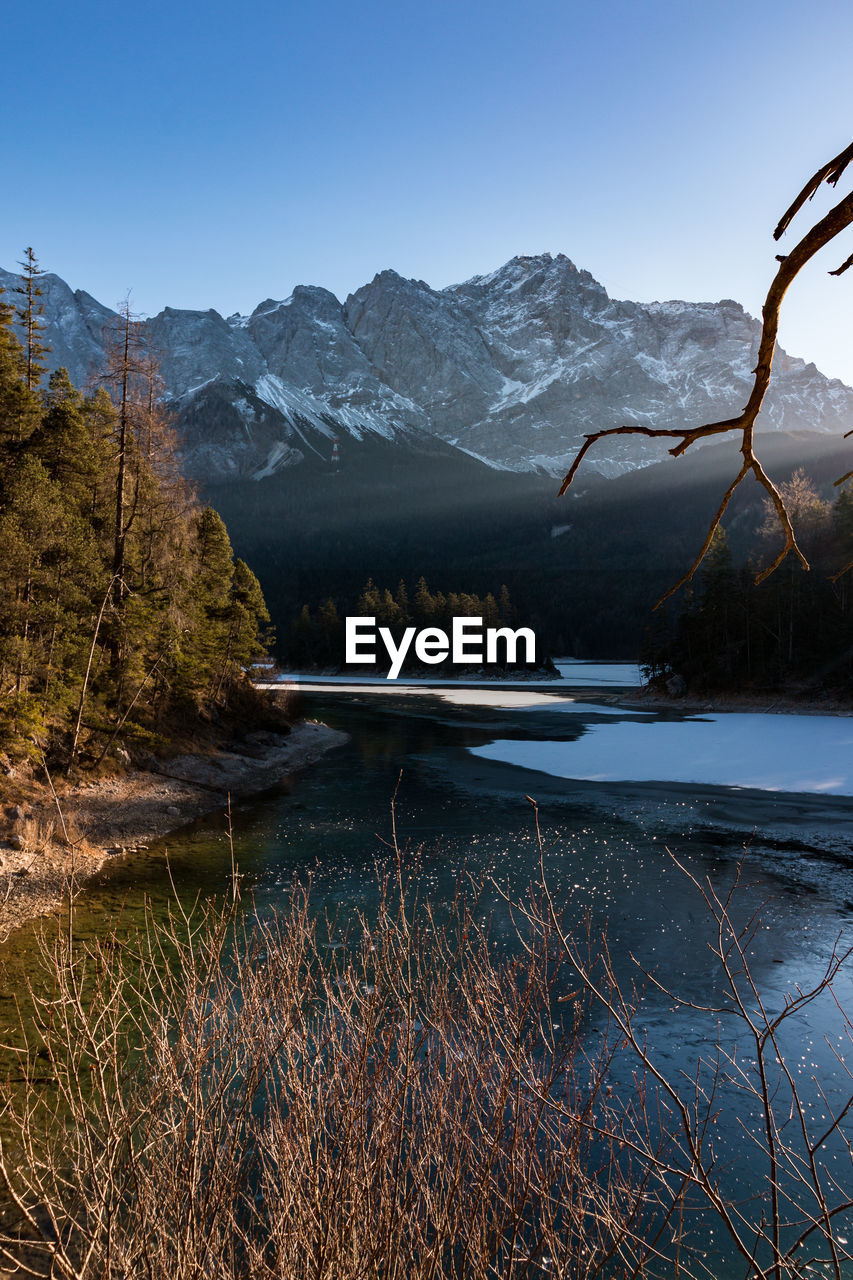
pixel 512 367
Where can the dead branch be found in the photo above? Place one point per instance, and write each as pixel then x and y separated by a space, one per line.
pixel 790 265
pixel 830 174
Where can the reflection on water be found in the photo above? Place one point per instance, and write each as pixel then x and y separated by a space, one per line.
pixel 607 850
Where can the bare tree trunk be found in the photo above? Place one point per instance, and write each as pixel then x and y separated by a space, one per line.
pixel 83 691
pixel 118 551
pixel 117 730
pixel 53 633
pixel 27 596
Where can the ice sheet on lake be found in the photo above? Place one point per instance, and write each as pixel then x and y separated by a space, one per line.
pixel 404 684
pixel 768 752
pixel 515 699
pixel 487 696
pixel 482 693
pixel 574 671
pixel 494 696
pixel 521 700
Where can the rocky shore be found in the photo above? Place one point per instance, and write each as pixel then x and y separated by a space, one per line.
pixel 46 841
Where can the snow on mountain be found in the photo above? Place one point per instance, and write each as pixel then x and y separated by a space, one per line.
pixel 513 367
pixel 75 324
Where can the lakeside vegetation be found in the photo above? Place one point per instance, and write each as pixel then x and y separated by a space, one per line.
pixel 794 630
pixel 410 1092
pixel 124 616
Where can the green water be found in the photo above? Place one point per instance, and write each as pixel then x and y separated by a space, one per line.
pixel 606 851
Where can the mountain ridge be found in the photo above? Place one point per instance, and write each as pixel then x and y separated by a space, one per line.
pixel 512 367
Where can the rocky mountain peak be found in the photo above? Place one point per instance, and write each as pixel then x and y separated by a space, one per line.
pixel 514 366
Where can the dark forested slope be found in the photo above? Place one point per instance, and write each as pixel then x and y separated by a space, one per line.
pixel 585 570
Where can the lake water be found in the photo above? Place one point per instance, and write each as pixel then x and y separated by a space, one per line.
pixel 619 792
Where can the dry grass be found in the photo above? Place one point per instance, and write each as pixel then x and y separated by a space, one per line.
pixel 399 1099
pixel 300 1099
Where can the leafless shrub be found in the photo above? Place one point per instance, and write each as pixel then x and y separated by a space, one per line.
pixel 291 1099
pixel 799 1219
pixel 224 1096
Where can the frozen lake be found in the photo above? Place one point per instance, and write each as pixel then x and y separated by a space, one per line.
pixel 757 750
pixel 575 672
pixel 626 798
pixel 787 753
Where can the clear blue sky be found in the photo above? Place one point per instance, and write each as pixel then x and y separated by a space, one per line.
pixel 212 154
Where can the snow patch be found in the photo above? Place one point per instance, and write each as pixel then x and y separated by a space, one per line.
pixel 281 455
pixel 768 753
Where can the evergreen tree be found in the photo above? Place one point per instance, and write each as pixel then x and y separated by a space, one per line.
pixel 401 599
pixel 65 445
pixel 29 314
pixel 389 612
pixel 302 638
pixel 424 604
pixel 329 637
pixel 76 659
pixel 124 375
pixel 19 405
pixel 491 614
pixel 370 601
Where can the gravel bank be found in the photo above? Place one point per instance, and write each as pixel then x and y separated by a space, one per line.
pixel 41 847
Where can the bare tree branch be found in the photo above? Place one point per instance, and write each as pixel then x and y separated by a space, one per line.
pixel 830 173
pixel 790 265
